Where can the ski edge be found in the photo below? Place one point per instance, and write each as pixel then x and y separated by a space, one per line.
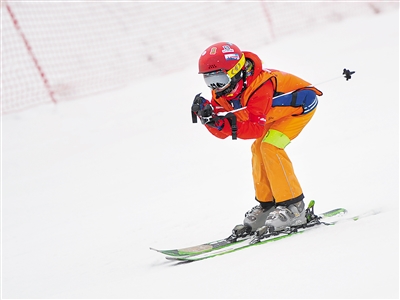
pixel 203 248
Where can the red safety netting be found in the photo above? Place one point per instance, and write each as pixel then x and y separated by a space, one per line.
pixel 56 51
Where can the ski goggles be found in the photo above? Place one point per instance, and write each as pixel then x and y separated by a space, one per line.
pixel 217 81
pixel 220 80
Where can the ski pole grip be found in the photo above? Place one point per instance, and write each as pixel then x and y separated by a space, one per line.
pixel 233 121
pixel 196 107
pixel 194 117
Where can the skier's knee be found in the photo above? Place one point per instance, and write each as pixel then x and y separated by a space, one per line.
pixel 276 138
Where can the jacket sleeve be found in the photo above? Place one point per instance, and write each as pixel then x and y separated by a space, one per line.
pixel 257 107
pixel 226 130
pixel 223 133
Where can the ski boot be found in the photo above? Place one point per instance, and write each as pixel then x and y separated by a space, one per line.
pixel 253 219
pixel 284 217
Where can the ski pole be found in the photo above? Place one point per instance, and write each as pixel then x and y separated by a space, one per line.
pixel 347 74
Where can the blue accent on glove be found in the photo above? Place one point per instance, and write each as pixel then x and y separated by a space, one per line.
pixel 203 102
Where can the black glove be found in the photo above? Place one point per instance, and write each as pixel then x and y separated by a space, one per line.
pixel 203 109
pixel 207 116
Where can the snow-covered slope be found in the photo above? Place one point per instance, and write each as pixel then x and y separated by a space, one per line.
pixel 88 186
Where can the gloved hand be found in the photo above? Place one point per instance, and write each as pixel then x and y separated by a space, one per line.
pixel 199 103
pixel 204 110
pixel 208 117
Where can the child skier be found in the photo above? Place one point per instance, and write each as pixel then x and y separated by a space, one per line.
pixel 269 106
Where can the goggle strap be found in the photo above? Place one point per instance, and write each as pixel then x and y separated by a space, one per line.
pixel 236 68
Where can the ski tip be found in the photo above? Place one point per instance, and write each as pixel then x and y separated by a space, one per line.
pixel 179 260
pixel 173 258
pixel 172 252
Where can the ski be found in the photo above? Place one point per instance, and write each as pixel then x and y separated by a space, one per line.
pixel 232 240
pixel 202 248
pixel 271 238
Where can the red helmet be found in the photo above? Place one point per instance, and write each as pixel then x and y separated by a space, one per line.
pixel 222 56
pixel 221 66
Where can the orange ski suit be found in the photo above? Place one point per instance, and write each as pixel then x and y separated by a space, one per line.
pixel 276 106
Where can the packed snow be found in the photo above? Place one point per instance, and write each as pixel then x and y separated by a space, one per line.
pixel 89 185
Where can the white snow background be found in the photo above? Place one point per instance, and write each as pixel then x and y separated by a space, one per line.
pixel 89 185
